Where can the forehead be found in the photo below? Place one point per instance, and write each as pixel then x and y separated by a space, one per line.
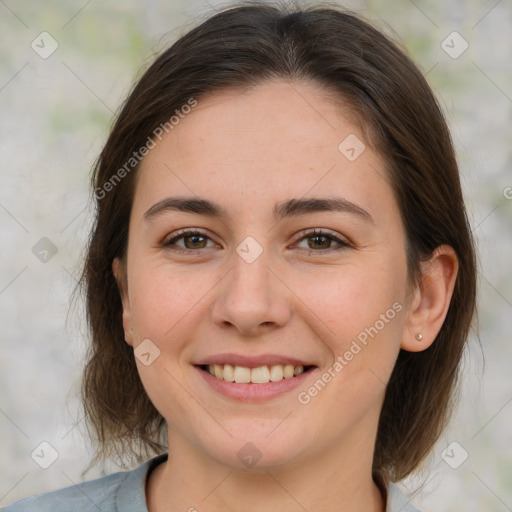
pixel 274 140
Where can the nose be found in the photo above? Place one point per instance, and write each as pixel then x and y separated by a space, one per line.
pixel 252 299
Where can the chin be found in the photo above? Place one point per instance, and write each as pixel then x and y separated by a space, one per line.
pixel 256 451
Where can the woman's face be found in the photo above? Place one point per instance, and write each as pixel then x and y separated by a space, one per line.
pixel 295 261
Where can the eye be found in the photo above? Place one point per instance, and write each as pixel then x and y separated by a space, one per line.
pixel 319 240
pixel 192 239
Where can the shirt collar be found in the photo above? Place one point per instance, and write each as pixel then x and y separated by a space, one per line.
pixel 131 495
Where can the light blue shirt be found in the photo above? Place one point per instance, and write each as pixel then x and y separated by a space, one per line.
pixel 125 492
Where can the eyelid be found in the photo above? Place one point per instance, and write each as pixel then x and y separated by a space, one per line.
pixel 321 231
pixel 342 242
pixel 183 233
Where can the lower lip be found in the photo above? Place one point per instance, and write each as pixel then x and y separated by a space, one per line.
pixel 253 392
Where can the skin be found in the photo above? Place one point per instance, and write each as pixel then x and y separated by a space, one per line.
pixel 247 152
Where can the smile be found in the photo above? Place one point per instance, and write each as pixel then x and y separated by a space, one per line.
pixel 258 375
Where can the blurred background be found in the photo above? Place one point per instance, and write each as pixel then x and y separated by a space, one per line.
pixel 65 68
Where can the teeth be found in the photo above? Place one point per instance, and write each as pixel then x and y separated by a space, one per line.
pixel 260 375
pixel 276 372
pixel 242 374
pixel 288 371
pixel 228 373
pixel 298 370
pixel 217 371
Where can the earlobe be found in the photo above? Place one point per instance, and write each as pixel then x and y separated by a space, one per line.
pixel 120 276
pixel 431 300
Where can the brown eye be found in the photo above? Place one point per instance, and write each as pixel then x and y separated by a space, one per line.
pixel 321 241
pixel 192 240
pixel 195 241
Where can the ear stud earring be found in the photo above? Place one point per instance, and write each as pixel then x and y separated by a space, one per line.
pixel 419 336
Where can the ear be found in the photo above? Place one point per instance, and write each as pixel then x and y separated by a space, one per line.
pixel 122 283
pixel 430 300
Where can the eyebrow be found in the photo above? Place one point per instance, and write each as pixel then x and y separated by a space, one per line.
pixel 285 209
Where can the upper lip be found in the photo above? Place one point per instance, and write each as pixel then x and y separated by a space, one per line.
pixel 252 361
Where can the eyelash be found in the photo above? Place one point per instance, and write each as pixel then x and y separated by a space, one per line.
pixel 302 236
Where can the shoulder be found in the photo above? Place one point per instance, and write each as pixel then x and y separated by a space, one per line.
pixel 397 500
pixel 99 494
pixel 123 491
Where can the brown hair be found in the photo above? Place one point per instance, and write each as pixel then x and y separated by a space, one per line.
pixel 248 45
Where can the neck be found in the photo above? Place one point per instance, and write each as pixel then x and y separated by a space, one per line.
pixel 339 479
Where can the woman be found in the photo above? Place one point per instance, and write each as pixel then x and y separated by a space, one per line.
pixel 281 277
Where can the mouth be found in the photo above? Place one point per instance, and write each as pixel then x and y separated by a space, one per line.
pixel 257 375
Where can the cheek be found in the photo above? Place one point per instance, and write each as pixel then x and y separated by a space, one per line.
pixel 361 313
pixel 352 298
pixel 165 302
pixel 165 296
